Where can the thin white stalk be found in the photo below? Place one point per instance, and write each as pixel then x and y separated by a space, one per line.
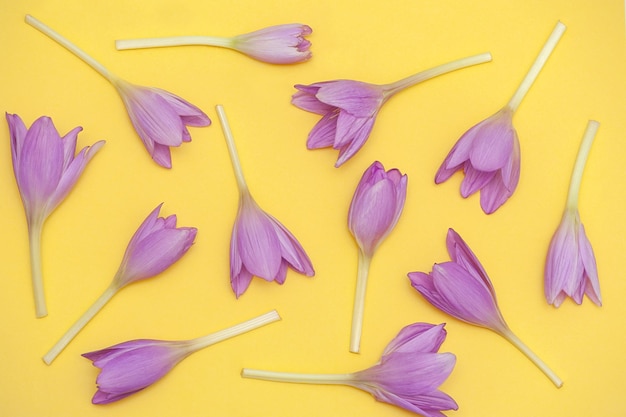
pixel 326 379
pixel 232 150
pixel 123 44
pixel 393 88
pixel 79 324
pixel 539 63
pixel 515 341
pixel 359 302
pixel 34 236
pixel 579 166
pixel 46 30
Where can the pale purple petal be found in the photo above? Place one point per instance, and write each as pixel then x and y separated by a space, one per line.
pixel 494 194
pixel 417 337
pixel 474 180
pixel 361 100
pixel 305 99
pixel 323 133
pixel 240 282
pixel 359 134
pixel 291 250
pixel 17 132
pixel 69 146
pixel 492 147
pixel 592 283
pixel 281 44
pixel 189 114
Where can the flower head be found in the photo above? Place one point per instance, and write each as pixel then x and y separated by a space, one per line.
pixel 280 44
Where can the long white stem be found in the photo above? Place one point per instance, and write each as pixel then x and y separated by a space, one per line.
pixel 80 323
pixel 70 47
pixel 326 379
pixel 34 235
pixel 579 166
pixel 359 302
pixel 232 150
pixel 539 63
pixel 123 44
pixel 511 337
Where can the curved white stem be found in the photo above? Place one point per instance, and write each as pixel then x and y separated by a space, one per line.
pixel 123 44
pixel 359 302
pixel 232 150
pixel 326 379
pixel 34 236
pixel 579 166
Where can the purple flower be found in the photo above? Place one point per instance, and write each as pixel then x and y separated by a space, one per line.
pixel 349 108
pixel 129 367
pixel 408 374
pixel 46 169
pixel 154 247
pixel 489 155
pixel 462 289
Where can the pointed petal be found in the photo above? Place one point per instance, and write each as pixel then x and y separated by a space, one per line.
pixel 292 251
pixel 17 132
pixel 323 133
pixel 305 99
pixel 240 282
pixel 359 135
pixel 357 98
pixel 69 146
pixel 474 180
pixel 190 114
pixel 417 337
pixel 592 283
pixel 494 194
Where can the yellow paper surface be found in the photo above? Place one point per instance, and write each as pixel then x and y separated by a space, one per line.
pixel 373 41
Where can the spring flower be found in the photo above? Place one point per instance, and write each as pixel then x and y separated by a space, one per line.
pixel 129 367
pixel 280 44
pixel 489 152
pixel 408 374
pixel 159 117
pixel 375 209
pixel 462 289
pixel 571 269
pixel 349 108
pixel 154 247
pixel 260 245
pixel 46 169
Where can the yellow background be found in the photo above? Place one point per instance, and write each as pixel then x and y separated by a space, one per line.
pixel 373 41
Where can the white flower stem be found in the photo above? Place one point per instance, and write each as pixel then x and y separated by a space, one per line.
pixel 326 379
pixel 246 326
pixel 123 44
pixel 70 47
pixel 539 63
pixel 79 324
pixel 359 302
pixel 515 341
pixel 232 150
pixel 392 88
pixel 579 166
pixel 34 236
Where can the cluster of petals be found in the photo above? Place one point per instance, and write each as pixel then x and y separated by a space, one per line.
pixel 280 44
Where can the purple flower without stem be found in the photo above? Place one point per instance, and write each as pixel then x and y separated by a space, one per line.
pixel 571 269
pixel 280 44
pixel 489 152
pixel 46 169
pixel 260 245
pixel 129 367
pixel 160 118
pixel 154 247
pixel 349 108
pixel 374 211
pixel 408 374
pixel 462 289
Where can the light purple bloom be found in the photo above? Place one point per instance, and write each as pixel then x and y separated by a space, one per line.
pixel 489 156
pixel 408 374
pixel 46 169
pixel 280 44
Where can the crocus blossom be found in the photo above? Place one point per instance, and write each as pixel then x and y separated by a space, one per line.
pixel 160 118
pixel 374 211
pixel 154 247
pixel 260 245
pixel 349 108
pixel 129 367
pixel 280 44
pixel 408 374
pixel 489 152
pixel 462 289
pixel 571 269
pixel 46 169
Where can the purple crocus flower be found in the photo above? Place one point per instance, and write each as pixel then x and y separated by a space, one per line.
pixel 260 245
pixel 129 367
pixel 349 108
pixel 489 152
pixel 154 247
pixel 160 118
pixel 46 169
pixel 462 289
pixel 571 269
pixel 408 374
pixel 280 44
pixel 375 209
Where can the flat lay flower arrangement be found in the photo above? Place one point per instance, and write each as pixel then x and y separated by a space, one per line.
pixel 241 175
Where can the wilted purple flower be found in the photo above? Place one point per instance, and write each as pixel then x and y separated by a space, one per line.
pixel 571 269
pixel 489 152
pixel 375 209
pixel 129 367
pixel 46 169
pixel 462 289
pixel 349 108
pixel 260 245
pixel 154 247
pixel 280 44
pixel 159 117
pixel 408 374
